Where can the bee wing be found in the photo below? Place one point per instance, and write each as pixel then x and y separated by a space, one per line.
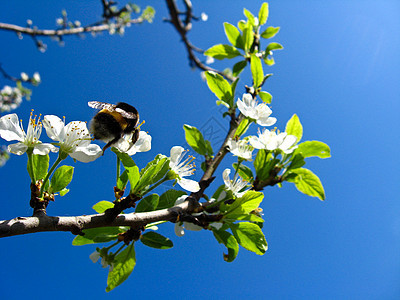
pixel 101 105
pixel 127 114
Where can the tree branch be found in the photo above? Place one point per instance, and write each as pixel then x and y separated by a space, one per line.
pixel 75 224
pixel 183 28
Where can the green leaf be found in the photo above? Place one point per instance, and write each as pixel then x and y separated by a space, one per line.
pixel 270 32
pixel 153 172
pixel 168 198
pixel 224 237
pixel 247 217
pixel 297 161
pixel 269 61
pixel 250 237
pixel 133 176
pixel 273 46
pixel 256 71
pixel 220 87
pixel 102 206
pixel 63 192
pixel 124 263
pixel 40 165
pixel 221 51
pixel 242 128
pixel 233 35
pixel 233 87
pixel 248 37
pixel 263 14
pixel 97 235
pixel 61 178
pixel 122 180
pixel 294 127
pixel 265 97
pixel 156 240
pixel 308 183
pixel 249 16
pixel 126 160
pixel 244 172
pixel 148 203
pixel 195 139
pixel 264 163
pixel 241 25
pixel 314 148
pixel 209 149
pixel 238 67
pixel 243 205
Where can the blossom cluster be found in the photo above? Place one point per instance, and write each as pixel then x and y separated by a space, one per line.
pixel 10 98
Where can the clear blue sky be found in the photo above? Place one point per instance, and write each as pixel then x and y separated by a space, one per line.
pixel 339 72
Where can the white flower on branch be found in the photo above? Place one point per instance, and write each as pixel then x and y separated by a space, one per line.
pixel 74 138
pixel 181 226
pixel 11 130
pixel 260 113
pixel 143 144
pixel 271 140
pixel 236 185
pixel 183 169
pixel 241 149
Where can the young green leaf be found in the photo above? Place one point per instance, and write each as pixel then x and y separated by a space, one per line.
pixel 241 25
pixel 265 97
pixel 256 71
pixel 273 46
pixel 221 51
pixel 153 172
pixel 294 127
pixel 242 128
pixel 102 206
pixel 168 198
pixel 314 148
pixel 220 87
pixel 61 178
pixel 250 17
pixel 156 240
pixel 123 266
pixel 244 172
pixel 97 235
pixel 243 205
pixel 263 14
pixel 238 67
pixel 233 35
pixel 250 237
pixel 126 160
pixel 122 180
pixel 270 32
pixel 248 36
pixel 40 165
pixel 133 176
pixel 63 192
pixel 224 237
pixel 195 139
pixel 148 203
pixel 308 183
pixel 297 161
pixel 270 61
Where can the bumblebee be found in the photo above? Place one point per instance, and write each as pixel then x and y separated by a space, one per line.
pixel 113 121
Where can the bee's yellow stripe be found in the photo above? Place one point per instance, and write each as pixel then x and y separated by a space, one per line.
pixel 117 116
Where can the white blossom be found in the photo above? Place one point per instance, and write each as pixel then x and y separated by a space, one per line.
pixel 236 185
pixel 181 226
pixel 204 16
pixel 36 77
pixel 24 76
pixel 10 98
pixel 143 144
pixel 11 130
pixel 73 138
pixel 271 140
pixel 258 112
pixel 241 149
pixel 183 169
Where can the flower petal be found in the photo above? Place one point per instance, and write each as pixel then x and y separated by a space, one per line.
pixel 189 185
pixel 266 122
pixel 54 127
pixel 43 149
pixel 176 151
pixel 10 129
pixel 225 176
pixel 18 148
pixel 88 153
pixel 94 257
pixel 179 231
pixel 192 227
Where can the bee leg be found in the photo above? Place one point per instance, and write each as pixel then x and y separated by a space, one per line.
pixel 109 144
